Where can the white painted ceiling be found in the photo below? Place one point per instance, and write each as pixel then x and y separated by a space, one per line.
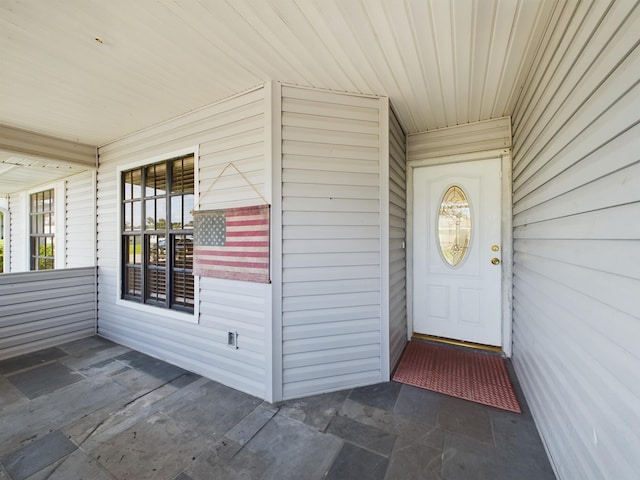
pixel 95 70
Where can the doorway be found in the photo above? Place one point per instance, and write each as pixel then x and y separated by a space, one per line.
pixel 458 251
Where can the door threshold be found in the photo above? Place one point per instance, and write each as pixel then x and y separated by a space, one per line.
pixel 458 343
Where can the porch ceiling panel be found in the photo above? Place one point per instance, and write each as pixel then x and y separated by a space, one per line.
pixel 20 173
pixel 93 71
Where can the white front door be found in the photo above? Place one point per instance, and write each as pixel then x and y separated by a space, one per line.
pixel 457 251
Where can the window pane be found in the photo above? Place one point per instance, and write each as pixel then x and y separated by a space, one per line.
pixel 137 215
pixel 161 213
pixel 127 207
pixel 49 200
pixel 126 182
pixel 182 175
pixel 156 180
pixel 136 183
pixel 150 213
pixel 188 211
pixel 183 288
pixel 156 285
pixel 157 250
pixel 183 252
pixel 133 255
pixel 132 280
pixel 454 226
pixel 176 213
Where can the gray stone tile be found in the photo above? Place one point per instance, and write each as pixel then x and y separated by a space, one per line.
pixel 465 458
pixel 419 404
pixel 415 461
pixel 28 422
pixel 365 436
pixel 251 424
pixel 405 428
pixel 293 449
pixel 34 457
pixel 86 396
pixel 83 360
pixel 77 466
pixel 224 450
pixel 30 360
pixel 10 396
pixel 109 367
pixel 185 379
pixel 380 395
pixel 183 476
pixel 100 427
pixel 155 447
pixel 465 418
pixel 44 379
pixel 90 344
pixel 213 409
pixel 137 381
pixel 4 475
pixel 317 410
pixel 354 462
pixel 433 439
pixel 520 448
pixel 151 366
pixel 222 464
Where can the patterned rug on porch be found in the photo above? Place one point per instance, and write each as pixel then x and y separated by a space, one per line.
pixel 478 377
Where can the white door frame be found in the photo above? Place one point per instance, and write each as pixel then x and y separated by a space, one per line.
pixel 507 233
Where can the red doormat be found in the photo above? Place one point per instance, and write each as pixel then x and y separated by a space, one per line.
pixel 473 376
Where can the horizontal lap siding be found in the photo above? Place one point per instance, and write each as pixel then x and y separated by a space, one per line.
pixel 577 241
pixel 397 236
pixel 44 309
pixel 18 239
pixel 331 241
pixel 470 138
pixel 230 131
pixel 80 220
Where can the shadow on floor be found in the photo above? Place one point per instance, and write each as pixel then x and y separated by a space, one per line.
pixel 92 409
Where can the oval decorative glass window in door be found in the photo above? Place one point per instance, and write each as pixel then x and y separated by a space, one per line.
pixel 454 225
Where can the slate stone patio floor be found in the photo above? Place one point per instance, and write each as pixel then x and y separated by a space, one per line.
pixel 95 410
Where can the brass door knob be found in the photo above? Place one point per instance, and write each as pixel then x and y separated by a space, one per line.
pixel 495 261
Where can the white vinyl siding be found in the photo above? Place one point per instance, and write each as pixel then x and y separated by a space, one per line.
pixel 469 138
pixel 397 239
pixel 577 240
pixel 18 232
pixel 232 130
pixel 80 220
pixel 331 262
pixel 45 308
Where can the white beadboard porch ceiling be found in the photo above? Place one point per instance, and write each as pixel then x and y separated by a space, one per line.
pixel 93 70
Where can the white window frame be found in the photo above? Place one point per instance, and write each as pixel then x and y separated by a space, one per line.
pixel 142 307
pixel 60 229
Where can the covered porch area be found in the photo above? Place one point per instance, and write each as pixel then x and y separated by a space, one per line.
pixel 328 111
pixel 94 409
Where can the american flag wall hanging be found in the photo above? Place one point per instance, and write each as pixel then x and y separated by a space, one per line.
pixel 232 243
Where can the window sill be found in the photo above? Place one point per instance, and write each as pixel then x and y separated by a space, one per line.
pixel 158 311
